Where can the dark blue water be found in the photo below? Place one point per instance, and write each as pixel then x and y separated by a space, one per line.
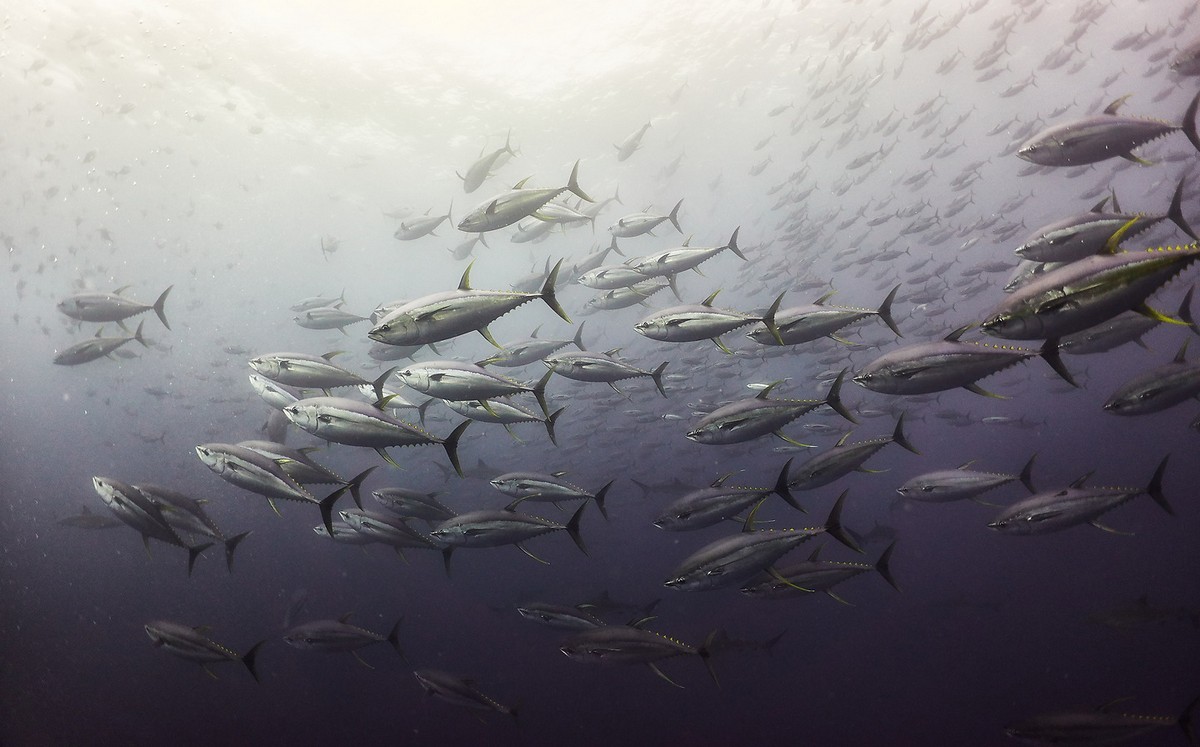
pixel 215 150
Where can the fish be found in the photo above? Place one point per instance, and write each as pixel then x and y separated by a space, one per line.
pixel 637 224
pixel 630 145
pixel 505 413
pixel 738 558
pixel 327 318
pixel 85 519
pixel 459 691
pixel 816 575
pixel 448 314
pixel 1076 504
pixel 111 307
pixel 1083 235
pixel 1187 60
pixel 455 380
pixel 250 470
pixel 479 171
pixel 928 367
pixel 559 616
pixel 388 529
pixel 585 366
pixel 186 515
pixel 191 644
pixel 96 347
pixel 416 228
pixel 801 324
pixel 356 423
pixel 943 486
pixel 296 463
pixel 623 298
pixel 405 502
pixel 533 348
pixel 547 488
pixel 610 277
pixel 679 259
pixel 716 503
pixel 135 508
pixel 695 322
pixel 1103 136
pixel 337 636
pixel 1158 389
pixel 1089 291
pixel 748 419
pixel 489 528
pixel 1100 726
pixel 517 203
pixel 839 461
pixel 629 644
pixel 311 371
pixel 318 302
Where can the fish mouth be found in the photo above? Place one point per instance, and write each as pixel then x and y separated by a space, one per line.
pixel 674 583
pixel 693 435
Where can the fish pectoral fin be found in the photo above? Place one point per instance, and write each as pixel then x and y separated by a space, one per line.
pixel 793 441
pixel 1147 311
pixel 1139 161
pixel 659 672
pixel 515 437
pixel 209 672
pixel 721 346
pixel 360 660
pixel 869 471
pixel 1110 530
pixel 525 550
pixel 784 580
pixel 487 335
pixel 387 457
pixel 973 387
pixel 843 340
pixel 835 596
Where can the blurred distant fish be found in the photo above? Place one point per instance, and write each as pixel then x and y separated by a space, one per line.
pixel 85 519
pixel 337 636
pixel 1157 389
pixel 415 228
pixel 479 171
pixel 1103 136
pixel 629 145
pixel 1101 725
pixel 459 691
pixel 111 307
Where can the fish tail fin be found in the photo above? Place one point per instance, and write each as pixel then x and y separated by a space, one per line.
pixel 885 311
pixel 451 445
pixel 539 392
pixel 674 217
pixel 782 490
pixel 231 545
pixel 834 528
pixel 378 383
pixel 548 296
pixel 601 494
pixel 1049 353
pixel 573 184
pixel 1027 474
pixel 578 339
pixel 326 506
pixel 250 659
pixel 423 408
pixel 1185 720
pixel 446 553
pixel 641 485
pixel 355 485
pixel 901 439
pixel 137 335
pixel 674 287
pixel 550 421
pixel 394 638
pixel 1154 489
pixel 1185 310
pixel 657 374
pixel 162 300
pixel 733 247
pixel 1189 122
pixel 768 319
pixel 194 552
pixel 705 652
pixel 834 398
pixel 883 565
pixel 573 528
pixel 1175 212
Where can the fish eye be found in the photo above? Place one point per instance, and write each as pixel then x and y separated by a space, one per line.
pixel 715 571
pixel 926 488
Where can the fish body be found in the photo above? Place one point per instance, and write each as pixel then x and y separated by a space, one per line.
pixel 694 322
pixel 609 277
pixel 524 352
pixel 416 228
pixel 630 145
pixel 801 324
pixel 718 502
pixel 599 367
pixel 190 644
pixel 387 528
pixel 326 318
pixel 458 691
pixel 943 486
pixel 489 528
pixel 747 419
pixel 414 504
pixel 1099 726
pixel 272 393
pixel 675 261
pixel 561 617
pixel 456 380
pixel 815 575
pixel 637 224
pixel 839 461
pixel 1157 389
pixel 337 636
pixel 305 370
pixel 481 169
pixel 95 347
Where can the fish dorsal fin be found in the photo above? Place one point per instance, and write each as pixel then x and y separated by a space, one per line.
pixel 1106 707
pixel 512 507
pixel 521 184
pixel 1115 205
pixel 821 301
pixel 711 297
pixel 721 480
pixel 816 554
pixel 687 241
pixel 332 354
pixel 1181 356
pixel 1099 206
pixel 1080 481
pixel 767 389
pixel 964 465
pixel 1114 242
pixel 559 473
pixel 749 525
pixel 464 283
pixel 121 290
pixel 344 619
pixel 1116 105
pixel 953 336
pixel 533 334
pixel 641 622
pixel 610 353
pixel 842 440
